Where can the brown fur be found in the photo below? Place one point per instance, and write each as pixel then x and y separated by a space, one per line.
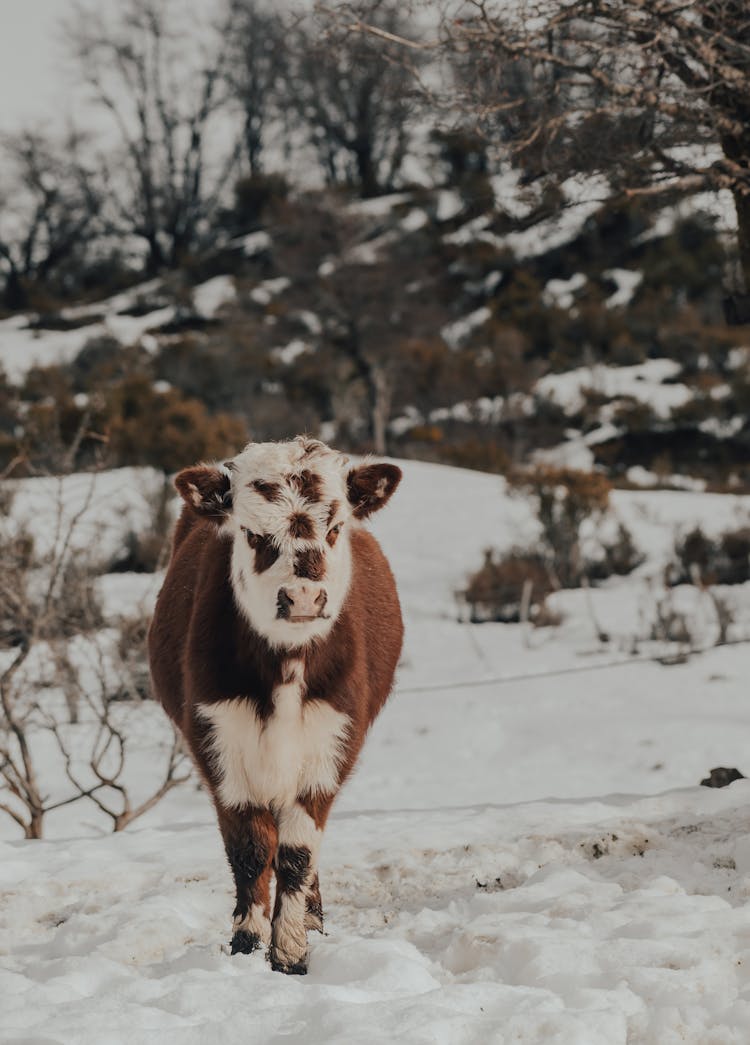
pixel 202 651
pixel 271 491
pixel 266 552
pixel 310 564
pixel 308 484
pixel 301 526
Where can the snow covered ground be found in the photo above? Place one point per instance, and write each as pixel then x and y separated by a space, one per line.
pixel 524 854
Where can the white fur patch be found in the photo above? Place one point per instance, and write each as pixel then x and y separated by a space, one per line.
pixel 296 828
pixel 289 932
pixel 255 921
pixel 296 751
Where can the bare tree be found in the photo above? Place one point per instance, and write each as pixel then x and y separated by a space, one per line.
pixel 110 697
pixel 656 93
pixel 163 92
pixel 371 295
pixel 48 216
pixel 258 62
pixel 354 101
pixel 65 678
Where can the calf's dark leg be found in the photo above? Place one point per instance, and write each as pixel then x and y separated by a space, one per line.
pixel 250 839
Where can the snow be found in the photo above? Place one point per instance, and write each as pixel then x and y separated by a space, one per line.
pixel 415 220
pixel 584 196
pixel 22 346
pixel 93 511
pixel 718 206
pixel 456 333
pixel 576 452
pixel 286 354
pixel 627 283
pixel 268 289
pixel 510 196
pixel 449 204
pixel 628 923
pixel 254 243
pixel 521 856
pixel 208 297
pixel 562 292
pixel 379 206
pixel 646 382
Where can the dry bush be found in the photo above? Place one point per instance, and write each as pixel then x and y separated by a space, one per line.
pixel 620 557
pixel 670 624
pixel 496 591
pixel 563 498
pixel 698 558
pixel 483 454
pixel 49 618
pixel 253 196
pixel 164 429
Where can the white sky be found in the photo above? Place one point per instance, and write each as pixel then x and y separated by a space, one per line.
pixel 35 79
pixel 34 84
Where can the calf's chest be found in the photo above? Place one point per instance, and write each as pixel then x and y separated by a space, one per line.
pixel 269 762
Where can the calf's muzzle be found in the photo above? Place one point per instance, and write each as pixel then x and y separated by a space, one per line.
pixel 300 603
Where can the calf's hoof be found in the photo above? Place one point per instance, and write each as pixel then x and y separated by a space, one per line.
pixel 298 968
pixel 244 942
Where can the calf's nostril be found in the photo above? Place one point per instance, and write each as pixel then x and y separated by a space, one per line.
pixel 321 600
pixel 284 603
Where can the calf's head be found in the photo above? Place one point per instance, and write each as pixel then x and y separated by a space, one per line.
pixel 288 508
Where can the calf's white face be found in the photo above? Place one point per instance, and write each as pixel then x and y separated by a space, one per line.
pixel 288 509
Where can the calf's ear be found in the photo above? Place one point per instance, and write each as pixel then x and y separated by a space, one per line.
pixel 206 489
pixel 370 487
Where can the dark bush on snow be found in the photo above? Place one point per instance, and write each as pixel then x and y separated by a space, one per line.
pixel 701 559
pixel 496 591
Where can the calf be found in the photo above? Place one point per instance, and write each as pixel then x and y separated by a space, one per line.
pixel 273 647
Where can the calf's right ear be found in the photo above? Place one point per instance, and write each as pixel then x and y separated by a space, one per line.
pixel 206 489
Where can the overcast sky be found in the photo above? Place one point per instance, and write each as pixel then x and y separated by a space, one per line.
pixel 33 80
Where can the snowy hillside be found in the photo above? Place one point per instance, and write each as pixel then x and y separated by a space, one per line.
pixel 476 889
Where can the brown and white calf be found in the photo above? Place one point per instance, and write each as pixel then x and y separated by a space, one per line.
pixel 273 647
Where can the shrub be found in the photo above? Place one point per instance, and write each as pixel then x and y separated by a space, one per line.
pixel 563 499
pixel 164 429
pixel 620 557
pixel 254 195
pixel 495 591
pixel 485 455
pixel 721 560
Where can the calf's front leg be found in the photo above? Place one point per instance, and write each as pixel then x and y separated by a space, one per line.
pixel 250 839
pixel 298 907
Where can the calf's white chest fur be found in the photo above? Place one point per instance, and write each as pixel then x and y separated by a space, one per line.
pixel 297 750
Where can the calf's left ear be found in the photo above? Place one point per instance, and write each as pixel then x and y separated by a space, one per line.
pixel 206 489
pixel 370 487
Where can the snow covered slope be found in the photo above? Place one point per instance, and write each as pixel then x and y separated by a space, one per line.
pixel 605 922
pixel 476 890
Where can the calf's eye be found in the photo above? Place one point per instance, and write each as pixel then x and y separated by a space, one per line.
pixel 332 535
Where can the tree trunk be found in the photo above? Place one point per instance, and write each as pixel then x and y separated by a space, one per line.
pixel 15 293
pixel 368 180
pixel 742 206
pixel 737 305
pixel 155 262
pixel 379 395
pixel 34 826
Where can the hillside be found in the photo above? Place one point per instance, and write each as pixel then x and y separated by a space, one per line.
pixel 485 329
